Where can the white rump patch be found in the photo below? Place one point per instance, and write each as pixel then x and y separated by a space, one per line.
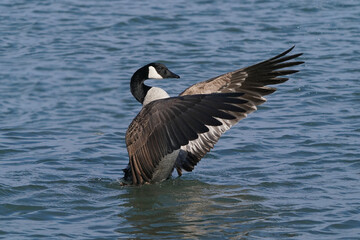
pixel 153 74
pixel 155 93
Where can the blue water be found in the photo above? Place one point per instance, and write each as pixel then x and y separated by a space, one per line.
pixel 289 171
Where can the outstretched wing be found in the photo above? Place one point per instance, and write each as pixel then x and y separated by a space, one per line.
pixel 165 125
pixel 252 81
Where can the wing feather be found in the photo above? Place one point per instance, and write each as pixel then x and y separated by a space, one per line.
pixel 252 81
pixel 165 125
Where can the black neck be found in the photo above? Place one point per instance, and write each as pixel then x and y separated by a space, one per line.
pixel 137 86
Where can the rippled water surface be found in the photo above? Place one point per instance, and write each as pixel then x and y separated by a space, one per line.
pixel 289 171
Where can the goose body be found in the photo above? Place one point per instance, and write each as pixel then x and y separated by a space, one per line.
pixel 176 132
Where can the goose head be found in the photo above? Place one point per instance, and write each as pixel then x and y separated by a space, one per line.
pixel 160 71
pixel 150 71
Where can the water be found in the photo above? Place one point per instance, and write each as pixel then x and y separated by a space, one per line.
pixel 289 171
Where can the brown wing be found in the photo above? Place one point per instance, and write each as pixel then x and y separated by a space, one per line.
pixel 252 82
pixel 251 79
pixel 165 125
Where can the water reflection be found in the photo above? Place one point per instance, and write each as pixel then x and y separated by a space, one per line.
pixel 188 208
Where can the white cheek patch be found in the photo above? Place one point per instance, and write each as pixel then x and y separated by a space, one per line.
pixel 153 74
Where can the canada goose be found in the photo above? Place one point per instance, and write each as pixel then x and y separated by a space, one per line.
pixel 176 132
